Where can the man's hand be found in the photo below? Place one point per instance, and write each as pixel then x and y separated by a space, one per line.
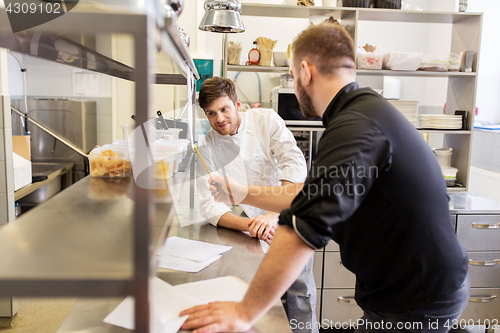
pixel 227 190
pixel 260 226
pixel 269 237
pixel 217 317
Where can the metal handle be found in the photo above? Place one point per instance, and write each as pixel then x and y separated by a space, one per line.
pixel 484 263
pixel 484 299
pixel 347 299
pixel 486 226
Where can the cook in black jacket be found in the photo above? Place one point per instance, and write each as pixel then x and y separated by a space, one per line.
pixel 375 188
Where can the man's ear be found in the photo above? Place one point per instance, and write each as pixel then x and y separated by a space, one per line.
pixel 305 73
pixel 238 104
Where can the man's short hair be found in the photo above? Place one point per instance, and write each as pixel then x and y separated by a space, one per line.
pixel 327 45
pixel 214 88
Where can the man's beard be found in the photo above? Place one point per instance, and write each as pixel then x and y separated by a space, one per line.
pixel 305 102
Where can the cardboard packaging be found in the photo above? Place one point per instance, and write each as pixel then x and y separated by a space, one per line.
pixel 21 160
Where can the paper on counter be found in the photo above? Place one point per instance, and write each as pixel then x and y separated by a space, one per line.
pixel 223 289
pixel 166 303
pixel 264 246
pixel 185 265
pixel 192 250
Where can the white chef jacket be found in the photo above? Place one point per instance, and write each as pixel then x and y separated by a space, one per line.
pixel 263 152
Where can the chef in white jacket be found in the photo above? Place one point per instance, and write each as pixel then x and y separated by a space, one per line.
pixel 256 148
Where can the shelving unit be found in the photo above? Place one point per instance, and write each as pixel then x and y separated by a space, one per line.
pixel 461 91
pixel 97 237
pixel 335 284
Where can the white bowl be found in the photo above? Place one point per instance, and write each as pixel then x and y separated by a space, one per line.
pixel 329 3
pixel 279 59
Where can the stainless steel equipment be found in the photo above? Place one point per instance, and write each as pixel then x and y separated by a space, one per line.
pixel 75 121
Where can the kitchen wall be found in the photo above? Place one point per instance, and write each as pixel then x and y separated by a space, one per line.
pixel 51 80
pixel 488 103
pixel 485 164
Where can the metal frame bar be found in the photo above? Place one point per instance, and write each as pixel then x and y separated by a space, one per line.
pixel 52 133
pixel 144 53
pixel 143 29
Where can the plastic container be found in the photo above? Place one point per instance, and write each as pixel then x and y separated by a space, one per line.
pixel 164 163
pixel 454 62
pixel 356 3
pixel 391 4
pixel 126 130
pixel 450 175
pixel 443 156
pixel 391 88
pixel 435 63
pixel 109 161
pixel 171 134
pixel 175 148
pixel 436 66
pixel 368 60
pixel 402 61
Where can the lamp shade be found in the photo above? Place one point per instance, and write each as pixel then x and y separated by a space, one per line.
pixel 222 16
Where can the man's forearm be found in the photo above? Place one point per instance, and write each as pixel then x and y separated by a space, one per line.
pixel 272 198
pixel 231 221
pixel 286 258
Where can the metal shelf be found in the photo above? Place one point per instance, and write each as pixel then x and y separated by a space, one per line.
pixel 47 42
pixel 444 131
pixel 384 72
pixel 456 189
pixel 261 69
pixel 364 14
pixel 78 243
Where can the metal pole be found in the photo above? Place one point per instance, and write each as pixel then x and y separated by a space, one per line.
pixel 223 71
pixel 52 133
pixel 192 170
pixel 144 50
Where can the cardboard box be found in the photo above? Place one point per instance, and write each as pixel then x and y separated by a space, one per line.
pixel 21 160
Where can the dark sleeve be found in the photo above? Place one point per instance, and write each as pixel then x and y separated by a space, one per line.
pixel 352 154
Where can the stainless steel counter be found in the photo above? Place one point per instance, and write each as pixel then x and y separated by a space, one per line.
pixel 78 243
pixel 51 170
pixel 465 203
pixel 242 261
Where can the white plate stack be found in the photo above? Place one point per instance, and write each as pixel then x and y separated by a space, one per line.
pixel 409 109
pixel 440 121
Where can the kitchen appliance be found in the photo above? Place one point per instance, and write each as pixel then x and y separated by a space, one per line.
pixel 284 101
pixel 75 121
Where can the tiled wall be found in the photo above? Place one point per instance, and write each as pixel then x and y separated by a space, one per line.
pixel 485 164
pixel 486 150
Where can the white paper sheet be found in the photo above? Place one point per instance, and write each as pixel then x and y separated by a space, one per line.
pixel 264 246
pixel 185 265
pixel 166 303
pixel 192 250
pixel 224 289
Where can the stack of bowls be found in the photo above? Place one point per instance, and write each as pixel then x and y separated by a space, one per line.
pixel 443 156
